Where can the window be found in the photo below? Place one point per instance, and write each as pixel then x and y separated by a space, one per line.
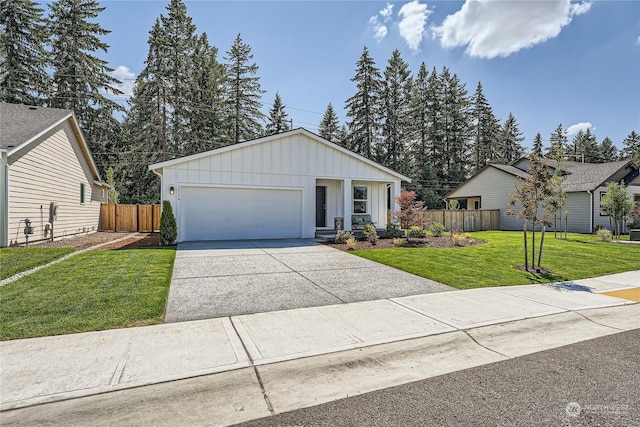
pixel 476 204
pixel 602 193
pixel 82 194
pixel 359 199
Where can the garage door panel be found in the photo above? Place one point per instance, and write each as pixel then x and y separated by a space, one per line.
pixel 239 213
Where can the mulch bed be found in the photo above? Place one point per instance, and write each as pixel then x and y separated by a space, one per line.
pixel 85 241
pixel 426 242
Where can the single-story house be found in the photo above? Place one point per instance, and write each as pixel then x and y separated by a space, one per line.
pixel 287 185
pixel 585 184
pixel 47 175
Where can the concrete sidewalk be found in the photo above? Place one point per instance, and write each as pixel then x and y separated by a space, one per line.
pixel 486 325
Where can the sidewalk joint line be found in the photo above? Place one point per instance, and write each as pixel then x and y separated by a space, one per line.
pixel 484 346
pixel 598 323
pixel 255 370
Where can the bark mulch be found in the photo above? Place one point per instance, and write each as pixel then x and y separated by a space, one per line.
pixel 425 242
pixel 85 241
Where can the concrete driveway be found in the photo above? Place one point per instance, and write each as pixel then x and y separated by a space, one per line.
pixel 216 279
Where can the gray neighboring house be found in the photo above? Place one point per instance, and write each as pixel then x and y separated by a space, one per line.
pixel 585 184
pixel 45 160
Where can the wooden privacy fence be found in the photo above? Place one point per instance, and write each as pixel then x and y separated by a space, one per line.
pixel 129 217
pixel 465 220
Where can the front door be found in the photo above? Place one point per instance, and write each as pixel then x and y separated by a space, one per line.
pixel 321 206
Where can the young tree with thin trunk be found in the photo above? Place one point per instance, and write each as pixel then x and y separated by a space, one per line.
pixel 618 204
pixel 530 197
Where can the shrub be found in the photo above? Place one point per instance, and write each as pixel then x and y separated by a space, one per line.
pixel 168 227
pixel 370 234
pixel 351 243
pixel 458 238
pixel 416 232
pixel 398 242
pixel 436 229
pixel 393 230
pixel 604 234
pixel 342 237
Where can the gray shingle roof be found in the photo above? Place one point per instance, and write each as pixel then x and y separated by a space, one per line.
pixel 511 169
pixel 588 176
pixel 20 123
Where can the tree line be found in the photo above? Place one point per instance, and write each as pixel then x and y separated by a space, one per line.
pixel 188 100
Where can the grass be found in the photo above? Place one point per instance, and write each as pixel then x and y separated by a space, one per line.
pixel 492 264
pixel 95 290
pixel 17 260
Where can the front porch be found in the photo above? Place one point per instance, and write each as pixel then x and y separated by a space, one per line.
pixel 339 200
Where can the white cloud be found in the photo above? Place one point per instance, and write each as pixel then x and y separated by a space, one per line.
pixel 490 28
pixel 127 77
pixel 379 28
pixel 412 25
pixel 573 129
pixel 638 41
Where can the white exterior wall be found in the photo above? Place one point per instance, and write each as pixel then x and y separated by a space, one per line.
pixel 289 162
pixel 51 169
pixel 494 187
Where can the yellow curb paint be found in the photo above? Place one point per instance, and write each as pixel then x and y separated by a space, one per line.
pixel 632 294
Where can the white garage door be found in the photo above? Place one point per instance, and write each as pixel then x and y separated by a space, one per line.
pixel 239 213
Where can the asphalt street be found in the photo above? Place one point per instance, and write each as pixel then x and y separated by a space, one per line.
pixel 592 383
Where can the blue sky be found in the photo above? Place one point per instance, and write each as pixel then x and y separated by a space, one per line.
pixel 547 62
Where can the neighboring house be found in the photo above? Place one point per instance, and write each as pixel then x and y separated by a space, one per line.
pixel 45 160
pixel 287 185
pixel 585 184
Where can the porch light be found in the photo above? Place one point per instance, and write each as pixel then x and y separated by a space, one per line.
pixel 172 190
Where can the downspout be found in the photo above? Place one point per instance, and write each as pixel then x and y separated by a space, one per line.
pixel 4 199
pixel 591 210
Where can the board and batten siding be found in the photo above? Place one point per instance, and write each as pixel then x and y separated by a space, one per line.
pixel 494 187
pixel 51 169
pixel 289 162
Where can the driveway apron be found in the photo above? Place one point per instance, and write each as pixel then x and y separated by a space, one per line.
pixel 225 278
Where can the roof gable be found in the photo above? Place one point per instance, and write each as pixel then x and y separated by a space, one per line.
pixel 265 140
pixel 23 124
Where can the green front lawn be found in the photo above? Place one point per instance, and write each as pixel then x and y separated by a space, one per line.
pixel 95 290
pixel 17 260
pixel 492 264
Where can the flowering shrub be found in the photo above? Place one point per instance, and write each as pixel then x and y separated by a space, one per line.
pixel 436 229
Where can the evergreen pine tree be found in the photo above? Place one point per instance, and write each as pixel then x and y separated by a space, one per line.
pixel 631 150
pixel 206 119
pixel 608 151
pixel 243 92
pixel 363 108
pixel 558 141
pixel 537 145
pixel 329 127
pixel 585 145
pixel 23 41
pixel 486 129
pixel 396 94
pixel 456 115
pixel 510 141
pixel 80 77
pixel 277 122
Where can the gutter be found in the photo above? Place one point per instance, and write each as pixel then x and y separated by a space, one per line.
pixel 591 209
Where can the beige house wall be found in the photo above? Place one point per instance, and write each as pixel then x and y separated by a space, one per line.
pixel 52 169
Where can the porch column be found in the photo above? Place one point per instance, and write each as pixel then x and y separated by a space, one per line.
pixel 395 193
pixel 347 204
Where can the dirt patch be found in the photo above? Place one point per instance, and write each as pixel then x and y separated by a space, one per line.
pixel 86 241
pixel 426 242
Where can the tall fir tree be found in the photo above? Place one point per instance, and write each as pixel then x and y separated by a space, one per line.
pixel 456 118
pixel 81 79
pixel 363 108
pixel 510 141
pixel 243 92
pixel 558 143
pixel 278 121
pixel 631 150
pixel 537 145
pixel 396 94
pixel 23 41
pixel 329 127
pixel 585 146
pixel 207 127
pixel 607 150
pixel 486 130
